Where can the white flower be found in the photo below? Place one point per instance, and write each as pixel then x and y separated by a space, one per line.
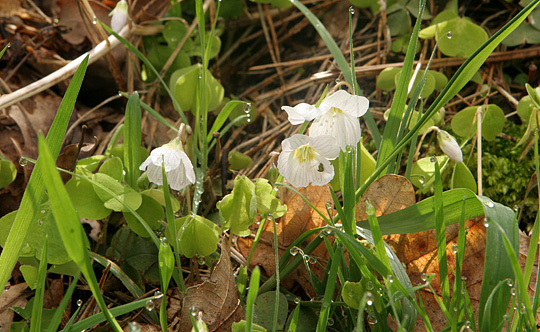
pixel 339 119
pixel 449 146
pixel 305 160
pixel 301 112
pixel 178 167
pixel 119 16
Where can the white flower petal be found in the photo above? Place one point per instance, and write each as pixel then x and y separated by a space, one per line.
pixel 450 146
pixel 316 169
pixel 342 126
pixel 350 104
pixel 326 146
pixel 178 167
pixel 301 112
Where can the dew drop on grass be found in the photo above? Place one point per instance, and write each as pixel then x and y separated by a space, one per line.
pixel 294 251
pixel 312 260
pixel 516 208
pixel 193 310
pixel 424 277
pixel 134 327
pixel 371 320
pixel 79 302
pixel 297 300
pixel 455 248
pixel 449 35
pixel 40 222
pixel 490 204
pixel 352 10
pixel 463 278
pixel 149 305
pixel 158 294
pixel 369 298
pixel 433 159
pixel 23 162
pixel 390 278
pixel 369 285
pixel 330 321
pixel 94 20
pixel 164 242
pixel 486 222
pixel 513 291
pixel 510 282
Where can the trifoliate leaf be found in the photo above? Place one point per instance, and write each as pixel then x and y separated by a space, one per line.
pixel 197 236
pixel 239 208
pixel 266 202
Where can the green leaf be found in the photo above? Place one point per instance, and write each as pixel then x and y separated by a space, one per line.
pixel 132 198
pixel 267 203
pixel 263 311
pixel 420 216
pixel 423 172
pixel 118 151
pixel 90 164
pixel 150 211
pixel 86 201
pixel 197 236
pixel 239 208
pixel 352 293
pixel 173 32
pixel 532 124
pixel 8 173
pixel 159 196
pixel 463 178
pixel 223 115
pixel 524 108
pixel 239 160
pixel 386 79
pixel 159 55
pixel 30 275
pixel 43 225
pixel 114 168
pixel 241 326
pixel 524 34
pixel 493 120
pixel 399 22
pixel 214 50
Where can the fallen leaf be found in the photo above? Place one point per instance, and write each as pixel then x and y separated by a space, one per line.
pixel 299 218
pixel 216 298
pixel 11 297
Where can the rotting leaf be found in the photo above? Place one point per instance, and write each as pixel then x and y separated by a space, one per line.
pixel 216 298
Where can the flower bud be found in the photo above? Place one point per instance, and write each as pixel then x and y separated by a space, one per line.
pixel 449 146
pixel 119 16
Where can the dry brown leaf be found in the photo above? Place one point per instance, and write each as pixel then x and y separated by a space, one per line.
pixel 11 297
pixel 216 298
pixel 299 218
pixel 388 194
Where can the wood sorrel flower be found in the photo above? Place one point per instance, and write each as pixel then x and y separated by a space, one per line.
pixel 337 116
pixel 449 146
pixel 178 167
pixel 305 160
pixel 339 119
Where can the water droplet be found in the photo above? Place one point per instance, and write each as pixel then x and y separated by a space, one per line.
pixel 8 286
pixel 23 162
pixel 312 260
pixel 510 282
pixel 201 260
pixel 297 300
pixel 390 278
pixel 506 317
pixel 455 309
pixel 338 81
pixel 40 222
pixel 94 20
pixel 467 324
pixel 149 305
pixel 79 302
pixel 371 320
pixel 513 291
pixel 516 208
pixel 294 251
pixel 486 222
pixel 328 230
pixel 134 327
pixel 463 278
pixel 455 248
pixel 158 295
pixel 164 242
pixel 449 35
pixel 463 291
pixel 270 217
pixel 380 291
pixel 490 204
pixel 433 159
pixel 42 211
pixel 352 10
pixel 330 321
pixel 369 285
pixel 424 277
pixel 522 309
pixel 193 310
pixel 369 298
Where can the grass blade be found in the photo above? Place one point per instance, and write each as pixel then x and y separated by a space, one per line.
pixel 251 296
pixel 37 308
pixel 70 227
pixel 35 188
pixel 132 140
pixel 440 231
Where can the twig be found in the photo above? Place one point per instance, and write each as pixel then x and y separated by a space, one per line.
pixel 63 73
